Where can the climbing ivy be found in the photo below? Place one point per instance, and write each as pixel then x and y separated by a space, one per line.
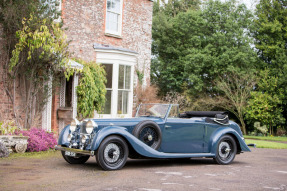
pixel 91 90
pixel 40 53
pixel 40 44
pixel 140 76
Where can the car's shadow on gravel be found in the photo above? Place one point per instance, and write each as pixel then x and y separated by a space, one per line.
pixel 151 163
pixel 92 165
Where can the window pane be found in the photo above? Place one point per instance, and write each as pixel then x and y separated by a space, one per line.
pixel 173 112
pixel 107 108
pixel 128 77
pixel 117 6
pixel 120 102
pixel 121 76
pixel 125 102
pixel 109 72
pixel 123 97
pixel 112 21
pixel 114 6
pixel 109 4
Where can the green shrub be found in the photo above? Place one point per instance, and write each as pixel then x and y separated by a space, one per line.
pixel 91 90
pixel 8 127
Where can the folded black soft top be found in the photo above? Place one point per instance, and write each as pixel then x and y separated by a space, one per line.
pixel 189 114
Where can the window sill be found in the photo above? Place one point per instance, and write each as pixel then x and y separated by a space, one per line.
pixel 113 35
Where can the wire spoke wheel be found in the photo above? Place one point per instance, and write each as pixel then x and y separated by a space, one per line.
pixel 149 133
pixel 112 153
pixel 226 150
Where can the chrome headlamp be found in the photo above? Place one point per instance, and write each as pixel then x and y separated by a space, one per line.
pixel 69 137
pixel 90 126
pixel 73 125
pixel 84 138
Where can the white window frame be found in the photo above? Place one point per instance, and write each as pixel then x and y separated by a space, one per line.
pixel 125 90
pixel 111 89
pixel 120 22
pixel 117 58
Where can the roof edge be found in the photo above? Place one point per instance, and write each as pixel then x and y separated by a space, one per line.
pixel 107 47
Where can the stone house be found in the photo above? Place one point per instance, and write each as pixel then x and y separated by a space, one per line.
pixel 115 33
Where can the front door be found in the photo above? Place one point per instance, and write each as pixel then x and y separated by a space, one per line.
pixel 182 136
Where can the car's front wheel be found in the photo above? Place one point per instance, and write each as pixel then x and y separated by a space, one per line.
pixel 226 150
pixel 74 160
pixel 112 154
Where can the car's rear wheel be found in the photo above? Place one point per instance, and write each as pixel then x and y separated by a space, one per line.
pixel 226 150
pixel 75 160
pixel 149 133
pixel 112 154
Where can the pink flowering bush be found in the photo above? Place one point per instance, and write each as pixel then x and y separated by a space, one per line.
pixel 39 140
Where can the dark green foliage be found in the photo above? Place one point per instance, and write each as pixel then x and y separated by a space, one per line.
pixel 265 104
pixel 194 47
pixel 12 13
pixel 166 70
pixel 270 32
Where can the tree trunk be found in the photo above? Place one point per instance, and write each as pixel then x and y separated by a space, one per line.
pixel 243 126
pixel 29 101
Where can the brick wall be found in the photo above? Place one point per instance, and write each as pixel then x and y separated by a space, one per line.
pixel 5 105
pixel 85 21
pixel 55 106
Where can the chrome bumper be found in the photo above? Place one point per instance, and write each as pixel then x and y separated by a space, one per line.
pixel 78 151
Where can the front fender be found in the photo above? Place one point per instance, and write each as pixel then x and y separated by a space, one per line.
pixel 107 131
pixel 216 135
pixel 63 136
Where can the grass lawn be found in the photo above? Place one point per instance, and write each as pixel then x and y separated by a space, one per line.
pixel 266 138
pixel 266 144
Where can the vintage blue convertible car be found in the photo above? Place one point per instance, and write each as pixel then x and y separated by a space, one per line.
pixel 157 131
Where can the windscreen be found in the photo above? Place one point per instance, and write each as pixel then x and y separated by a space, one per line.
pixel 152 110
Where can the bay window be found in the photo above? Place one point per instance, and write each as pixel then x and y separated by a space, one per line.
pixel 119 67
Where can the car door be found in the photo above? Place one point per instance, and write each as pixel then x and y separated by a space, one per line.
pixel 182 136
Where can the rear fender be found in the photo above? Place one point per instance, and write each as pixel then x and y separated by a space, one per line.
pixel 216 135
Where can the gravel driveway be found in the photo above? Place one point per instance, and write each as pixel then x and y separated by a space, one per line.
pixel 262 169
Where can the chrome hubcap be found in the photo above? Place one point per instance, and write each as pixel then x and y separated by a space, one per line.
pixel 112 153
pixel 224 149
pixel 149 137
